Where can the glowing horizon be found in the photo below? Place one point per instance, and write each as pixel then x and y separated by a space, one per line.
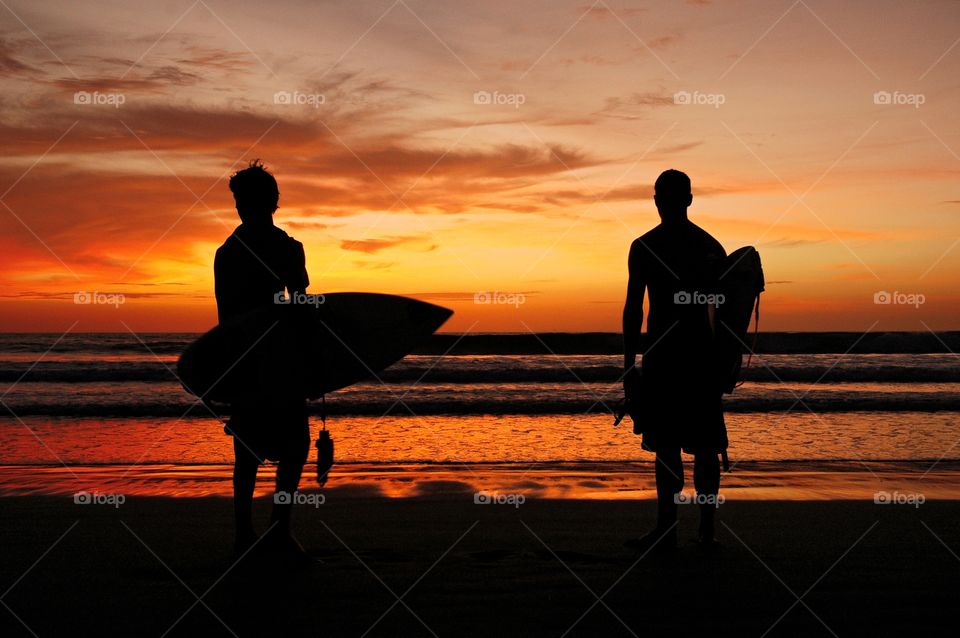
pixel 443 152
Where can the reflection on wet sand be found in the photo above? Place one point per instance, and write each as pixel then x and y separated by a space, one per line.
pixel 582 481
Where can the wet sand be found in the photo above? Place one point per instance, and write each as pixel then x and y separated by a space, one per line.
pixel 747 480
pixel 468 570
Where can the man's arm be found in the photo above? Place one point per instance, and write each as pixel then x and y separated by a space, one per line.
pixel 633 313
pixel 220 287
pixel 298 278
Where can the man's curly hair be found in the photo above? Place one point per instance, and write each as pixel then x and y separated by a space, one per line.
pixel 255 191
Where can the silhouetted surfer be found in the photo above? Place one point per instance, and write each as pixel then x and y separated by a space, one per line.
pixel 254 264
pixel 677 400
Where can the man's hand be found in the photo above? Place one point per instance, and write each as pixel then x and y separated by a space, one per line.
pixel 631 383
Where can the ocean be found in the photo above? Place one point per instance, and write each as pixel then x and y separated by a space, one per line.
pixel 95 400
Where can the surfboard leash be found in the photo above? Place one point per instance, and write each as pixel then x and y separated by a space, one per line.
pixel 756 332
pixel 324 446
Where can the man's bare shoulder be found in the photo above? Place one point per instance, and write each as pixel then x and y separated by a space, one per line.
pixel 646 243
pixel 709 241
pixel 651 236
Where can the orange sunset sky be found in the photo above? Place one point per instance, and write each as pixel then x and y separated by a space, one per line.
pixel 441 149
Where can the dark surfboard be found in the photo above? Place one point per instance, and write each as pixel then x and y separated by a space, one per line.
pixel 287 351
pixel 740 281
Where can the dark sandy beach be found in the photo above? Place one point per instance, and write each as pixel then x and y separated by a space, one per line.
pixel 459 569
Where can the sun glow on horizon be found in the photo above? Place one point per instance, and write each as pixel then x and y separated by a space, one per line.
pixel 480 155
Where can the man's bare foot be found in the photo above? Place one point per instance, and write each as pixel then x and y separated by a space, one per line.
pixel 282 546
pixel 659 541
pixel 706 540
pixel 243 542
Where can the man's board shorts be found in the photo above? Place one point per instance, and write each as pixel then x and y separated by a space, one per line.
pixel 271 431
pixel 682 407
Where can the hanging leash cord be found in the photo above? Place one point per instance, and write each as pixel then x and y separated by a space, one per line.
pixel 756 331
pixel 753 347
pixel 324 446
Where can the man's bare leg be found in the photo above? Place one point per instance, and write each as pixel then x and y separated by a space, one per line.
pixel 706 480
pixel 244 480
pixel 669 477
pixel 289 471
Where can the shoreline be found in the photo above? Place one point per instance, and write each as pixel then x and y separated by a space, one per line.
pixel 598 342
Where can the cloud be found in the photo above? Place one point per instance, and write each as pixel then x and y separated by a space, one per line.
pixel 224 60
pixel 797 234
pixel 461 295
pixel 9 63
pixel 111 85
pixel 633 192
pixel 70 295
pixel 308 224
pixel 663 41
pixel 373 265
pixel 174 75
pixel 784 242
pixel 605 12
pixel 371 246
pixel 591 60
pixel 634 106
